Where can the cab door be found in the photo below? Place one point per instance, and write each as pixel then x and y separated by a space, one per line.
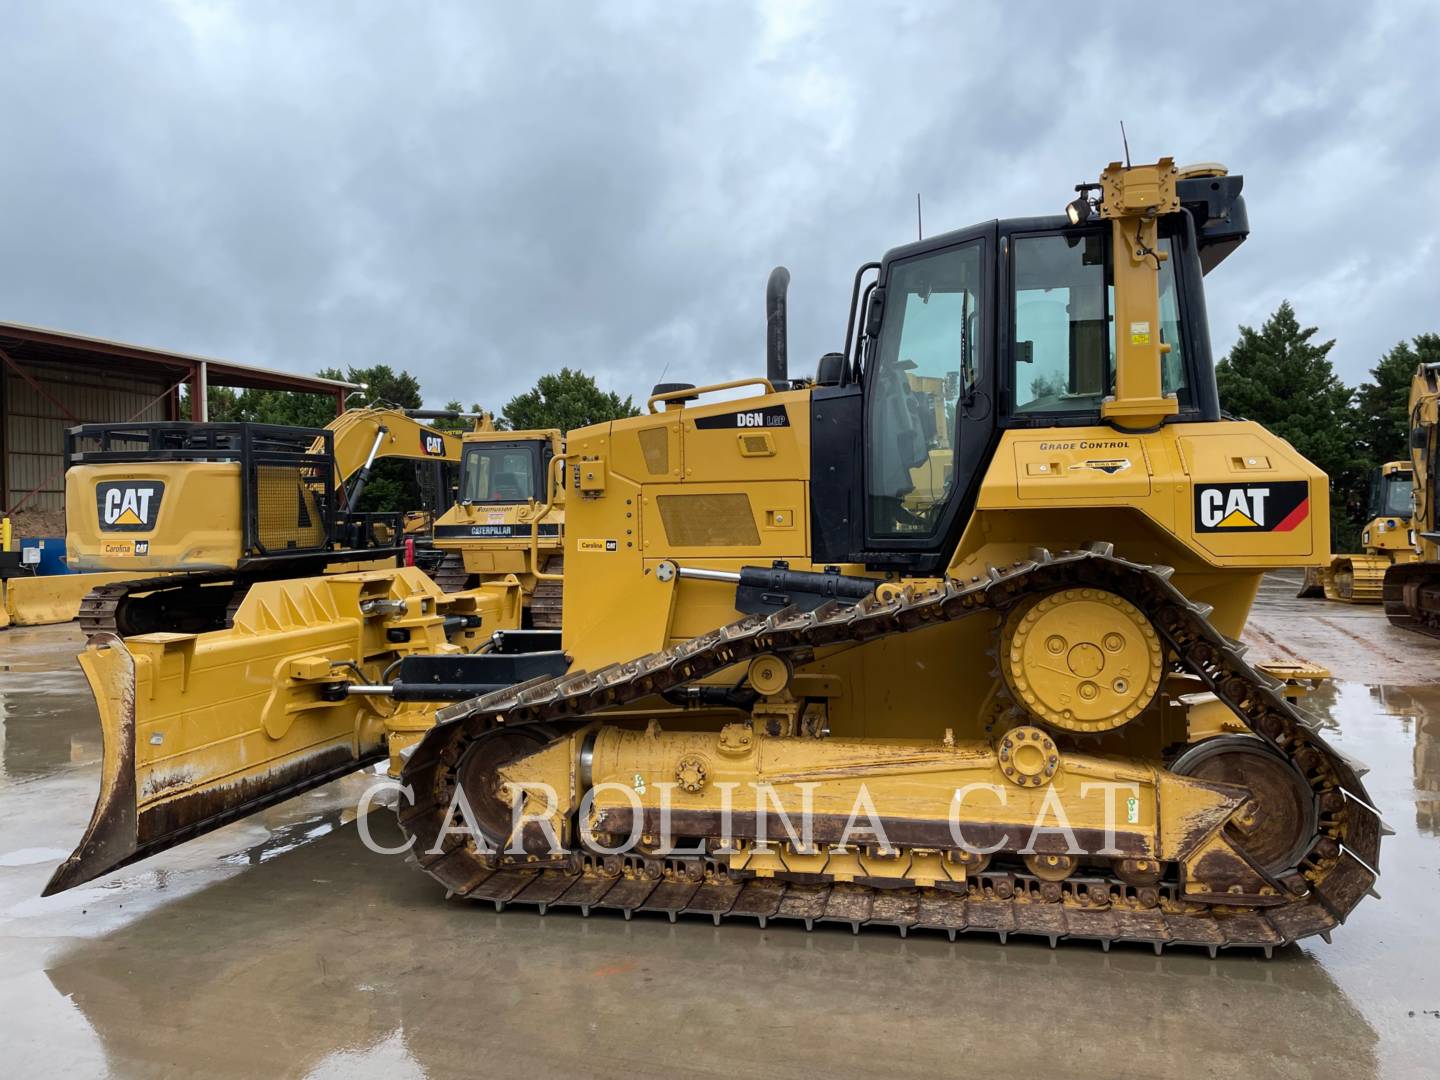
pixel 929 398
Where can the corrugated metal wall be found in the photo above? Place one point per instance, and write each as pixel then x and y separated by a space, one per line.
pixel 34 429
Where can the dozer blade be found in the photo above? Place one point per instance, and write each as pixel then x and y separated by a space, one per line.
pixel 201 730
pixel 111 838
pixel 145 806
pixel 1313 587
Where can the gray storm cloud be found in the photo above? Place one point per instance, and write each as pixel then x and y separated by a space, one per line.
pixel 481 193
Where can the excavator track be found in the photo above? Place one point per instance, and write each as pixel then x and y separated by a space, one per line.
pixel 1412 597
pixel 192 602
pixel 1339 868
pixel 549 597
pixel 195 601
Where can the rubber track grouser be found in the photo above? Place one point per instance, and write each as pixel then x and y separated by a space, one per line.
pixel 1338 865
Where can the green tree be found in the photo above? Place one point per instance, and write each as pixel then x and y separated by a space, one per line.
pixel 569 399
pixel 393 485
pixel 382 386
pixel 271 407
pixel 1280 377
pixel 1382 403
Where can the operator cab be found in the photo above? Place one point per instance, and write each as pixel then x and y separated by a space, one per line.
pixel 504 472
pixel 1006 324
pixel 1390 490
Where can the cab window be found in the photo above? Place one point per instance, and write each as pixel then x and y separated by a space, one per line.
pixel 928 357
pixel 1172 364
pixel 498 474
pixel 1061 350
pixel 1390 495
pixel 1063 344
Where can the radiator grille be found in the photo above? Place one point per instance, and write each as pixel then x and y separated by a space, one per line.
pixel 722 520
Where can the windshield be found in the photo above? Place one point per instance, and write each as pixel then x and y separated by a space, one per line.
pixel 500 474
pixel 1395 495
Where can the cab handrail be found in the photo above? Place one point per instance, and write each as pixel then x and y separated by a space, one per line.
pixel 550 489
pixel 696 391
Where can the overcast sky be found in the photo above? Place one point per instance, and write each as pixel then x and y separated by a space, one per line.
pixel 484 192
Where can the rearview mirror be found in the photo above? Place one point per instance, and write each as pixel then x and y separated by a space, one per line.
pixel 1024 352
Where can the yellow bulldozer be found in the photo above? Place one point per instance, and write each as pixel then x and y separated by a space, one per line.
pixel 1412 587
pixel 195 513
pixel 1388 539
pixel 505 530
pixel 835 652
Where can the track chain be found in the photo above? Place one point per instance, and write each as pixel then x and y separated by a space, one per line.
pixel 450 574
pixel 548 600
pixel 100 607
pixel 1338 871
pixel 1418 611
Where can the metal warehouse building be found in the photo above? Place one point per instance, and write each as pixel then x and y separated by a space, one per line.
pixel 51 380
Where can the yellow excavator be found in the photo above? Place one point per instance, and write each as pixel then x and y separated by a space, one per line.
pixel 1388 539
pixel 505 531
pixel 804 676
pixel 1412 587
pixel 197 512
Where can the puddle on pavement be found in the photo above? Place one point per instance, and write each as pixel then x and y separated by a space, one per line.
pixel 282 946
pixel 48 719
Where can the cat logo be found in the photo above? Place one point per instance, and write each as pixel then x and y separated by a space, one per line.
pixel 432 445
pixel 1275 507
pixel 128 506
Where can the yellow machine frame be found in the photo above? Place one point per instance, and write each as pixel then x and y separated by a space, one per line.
pixel 198 524
pixel 1042 697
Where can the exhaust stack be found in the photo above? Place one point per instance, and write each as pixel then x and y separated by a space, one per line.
pixel 777 364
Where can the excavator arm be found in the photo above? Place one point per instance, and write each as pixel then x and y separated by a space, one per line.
pixel 362 436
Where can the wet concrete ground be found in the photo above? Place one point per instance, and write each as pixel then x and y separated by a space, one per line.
pixel 282 947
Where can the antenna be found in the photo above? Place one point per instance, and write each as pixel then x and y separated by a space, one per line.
pixel 919 223
pixel 1126 141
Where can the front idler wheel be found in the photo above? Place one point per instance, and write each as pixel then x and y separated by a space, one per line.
pixel 1277 825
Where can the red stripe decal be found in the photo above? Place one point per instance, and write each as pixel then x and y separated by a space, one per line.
pixel 1294 517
